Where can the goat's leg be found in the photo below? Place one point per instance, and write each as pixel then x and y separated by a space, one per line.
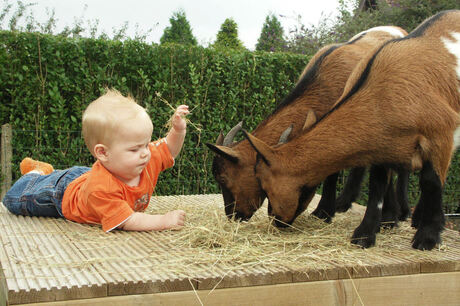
pixel 364 234
pixel 326 206
pixel 429 215
pixel 417 215
pixel 351 190
pixel 402 185
pixel 390 210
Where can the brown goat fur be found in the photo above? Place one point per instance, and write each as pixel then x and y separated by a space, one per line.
pixel 400 107
pixel 319 86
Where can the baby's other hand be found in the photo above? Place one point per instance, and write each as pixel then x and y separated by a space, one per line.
pixel 174 219
pixel 178 121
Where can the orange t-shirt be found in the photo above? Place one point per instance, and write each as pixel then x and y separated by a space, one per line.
pixel 98 197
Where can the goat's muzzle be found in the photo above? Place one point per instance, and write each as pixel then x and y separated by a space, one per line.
pixel 281 224
pixel 238 216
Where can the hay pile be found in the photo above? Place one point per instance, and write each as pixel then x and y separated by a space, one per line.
pixel 309 244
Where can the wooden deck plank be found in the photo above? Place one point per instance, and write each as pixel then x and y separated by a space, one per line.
pixel 45 259
pixel 419 289
pixel 31 258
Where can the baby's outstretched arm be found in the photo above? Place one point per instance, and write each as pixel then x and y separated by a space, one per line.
pixel 144 222
pixel 175 137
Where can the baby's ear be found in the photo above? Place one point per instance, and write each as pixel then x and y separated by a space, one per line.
pixel 100 152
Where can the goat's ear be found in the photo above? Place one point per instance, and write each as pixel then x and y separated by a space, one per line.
pixel 285 135
pixel 264 150
pixel 220 139
pixel 225 152
pixel 310 121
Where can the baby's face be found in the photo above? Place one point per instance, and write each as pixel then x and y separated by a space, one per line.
pixel 129 153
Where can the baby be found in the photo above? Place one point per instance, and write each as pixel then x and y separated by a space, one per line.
pixel 116 190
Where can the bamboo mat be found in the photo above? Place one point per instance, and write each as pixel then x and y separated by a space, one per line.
pixel 47 259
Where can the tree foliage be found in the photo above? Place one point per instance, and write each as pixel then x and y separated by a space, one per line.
pixel 179 32
pixel 272 35
pixel 308 39
pixel 227 37
pixel 350 21
pixel 17 16
pixel 407 14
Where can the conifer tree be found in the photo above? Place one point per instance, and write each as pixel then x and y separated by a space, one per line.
pixel 180 31
pixel 271 38
pixel 227 37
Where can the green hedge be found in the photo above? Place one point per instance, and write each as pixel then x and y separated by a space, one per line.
pixel 47 81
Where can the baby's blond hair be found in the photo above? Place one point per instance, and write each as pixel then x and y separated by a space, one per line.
pixel 106 115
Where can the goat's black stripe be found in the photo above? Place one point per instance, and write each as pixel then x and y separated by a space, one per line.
pixel 419 31
pixel 359 83
pixel 310 75
pixel 306 80
pixel 356 39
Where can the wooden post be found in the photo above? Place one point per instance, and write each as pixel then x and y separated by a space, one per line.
pixel 6 159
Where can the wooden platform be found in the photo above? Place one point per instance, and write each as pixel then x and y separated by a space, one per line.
pixel 57 262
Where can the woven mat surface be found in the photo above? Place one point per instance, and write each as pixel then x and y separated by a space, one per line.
pixel 46 259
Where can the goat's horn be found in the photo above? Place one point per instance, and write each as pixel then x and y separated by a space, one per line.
pixel 284 136
pixel 229 137
pixel 220 139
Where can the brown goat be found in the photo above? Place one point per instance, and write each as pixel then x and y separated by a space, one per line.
pixel 319 86
pixel 400 108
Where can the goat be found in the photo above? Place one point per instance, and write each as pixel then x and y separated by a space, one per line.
pixel 400 108
pixel 319 86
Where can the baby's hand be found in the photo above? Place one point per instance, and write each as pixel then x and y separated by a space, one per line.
pixel 178 121
pixel 174 219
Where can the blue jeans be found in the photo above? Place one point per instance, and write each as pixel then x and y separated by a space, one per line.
pixel 41 195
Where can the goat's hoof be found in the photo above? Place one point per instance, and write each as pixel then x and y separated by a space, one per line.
pixel 426 239
pixel 389 222
pixel 321 214
pixel 363 240
pixel 342 205
pixel 404 215
pixel 387 226
pixel 415 223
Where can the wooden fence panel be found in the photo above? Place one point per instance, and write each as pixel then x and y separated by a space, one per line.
pixel 7 154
